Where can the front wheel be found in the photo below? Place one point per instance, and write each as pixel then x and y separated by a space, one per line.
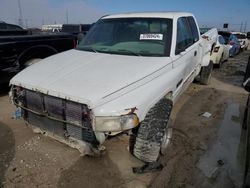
pixel 205 74
pixel 150 135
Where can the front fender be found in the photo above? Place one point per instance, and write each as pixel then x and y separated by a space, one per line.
pixel 141 99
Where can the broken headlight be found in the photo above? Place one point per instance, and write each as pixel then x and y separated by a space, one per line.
pixel 116 123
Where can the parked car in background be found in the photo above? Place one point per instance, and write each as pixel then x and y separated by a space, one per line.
pixel 242 37
pixel 52 28
pixel 220 51
pixel 18 51
pixel 233 41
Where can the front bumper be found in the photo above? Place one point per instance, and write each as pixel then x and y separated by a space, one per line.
pixel 66 118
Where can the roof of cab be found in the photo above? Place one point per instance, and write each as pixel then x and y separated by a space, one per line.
pixel 170 15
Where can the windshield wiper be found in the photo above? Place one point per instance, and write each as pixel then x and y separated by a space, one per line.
pixel 128 52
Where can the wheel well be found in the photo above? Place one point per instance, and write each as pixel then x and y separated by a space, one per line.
pixel 212 48
pixel 41 52
pixel 169 95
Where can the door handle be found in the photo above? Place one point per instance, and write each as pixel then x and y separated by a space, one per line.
pixel 195 53
pixel 179 83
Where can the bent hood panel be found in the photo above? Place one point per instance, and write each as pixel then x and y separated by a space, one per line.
pixel 86 76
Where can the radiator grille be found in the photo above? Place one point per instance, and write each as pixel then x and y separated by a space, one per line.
pixel 34 101
pixel 76 116
pixel 53 106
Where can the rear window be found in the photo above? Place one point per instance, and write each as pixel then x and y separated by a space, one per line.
pixel 225 35
pixel 240 36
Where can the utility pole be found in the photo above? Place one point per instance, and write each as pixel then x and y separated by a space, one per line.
pixel 26 23
pixel 20 19
pixel 245 28
pixel 241 26
pixel 67 17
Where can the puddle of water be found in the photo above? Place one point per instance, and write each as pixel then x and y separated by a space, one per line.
pixel 228 148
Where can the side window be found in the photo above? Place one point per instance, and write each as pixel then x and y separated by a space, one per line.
pixel 194 28
pixel 13 27
pixel 221 40
pixel 184 36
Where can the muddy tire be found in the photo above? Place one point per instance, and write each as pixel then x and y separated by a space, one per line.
pixel 151 131
pixel 220 62
pixel 205 73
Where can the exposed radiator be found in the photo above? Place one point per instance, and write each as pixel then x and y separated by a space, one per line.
pixel 58 116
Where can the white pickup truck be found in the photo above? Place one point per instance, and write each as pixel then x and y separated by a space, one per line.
pixel 123 77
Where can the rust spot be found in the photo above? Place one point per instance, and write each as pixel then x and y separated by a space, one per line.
pixel 132 110
pixel 205 37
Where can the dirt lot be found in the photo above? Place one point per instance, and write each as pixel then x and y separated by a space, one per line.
pixel 205 152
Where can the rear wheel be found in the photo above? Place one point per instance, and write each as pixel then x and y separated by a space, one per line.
pixel 151 132
pixel 221 60
pixel 205 73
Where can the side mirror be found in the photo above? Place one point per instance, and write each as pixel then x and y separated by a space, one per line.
pixel 180 51
pixel 246 85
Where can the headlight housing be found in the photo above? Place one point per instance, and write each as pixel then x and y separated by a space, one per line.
pixel 115 123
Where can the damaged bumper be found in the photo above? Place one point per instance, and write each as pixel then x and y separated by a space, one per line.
pixel 67 119
pixel 60 117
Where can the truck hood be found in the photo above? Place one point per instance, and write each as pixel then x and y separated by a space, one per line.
pixel 88 77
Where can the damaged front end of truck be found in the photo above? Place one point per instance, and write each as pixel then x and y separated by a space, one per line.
pixel 67 121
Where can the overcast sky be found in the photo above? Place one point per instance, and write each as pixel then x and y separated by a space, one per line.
pixel 208 12
pixel 38 12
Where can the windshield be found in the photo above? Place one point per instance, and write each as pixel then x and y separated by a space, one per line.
pixel 130 36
